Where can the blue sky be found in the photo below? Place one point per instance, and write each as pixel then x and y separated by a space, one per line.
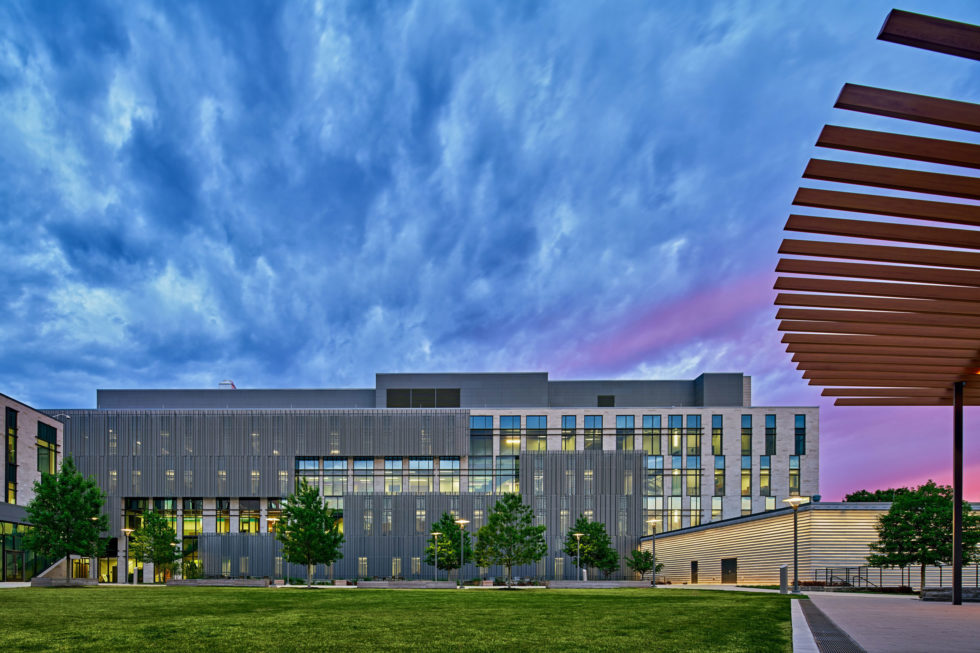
pixel 301 195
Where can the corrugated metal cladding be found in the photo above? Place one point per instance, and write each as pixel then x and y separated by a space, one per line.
pixel 705 390
pixel 157 442
pixel 614 497
pixel 238 399
pixel 831 535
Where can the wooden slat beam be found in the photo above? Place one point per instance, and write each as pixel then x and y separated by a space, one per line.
pixel 886 392
pixel 865 350
pixel 880 317
pixel 969 335
pixel 908 106
pixel 900 207
pixel 894 401
pixel 866 340
pixel 901 146
pixel 943 276
pixel 885 253
pixel 941 236
pixel 878 304
pixel 931 33
pixel 883 378
pixel 880 289
pixel 807 359
pixel 849 381
pixel 917 181
pixel 847 368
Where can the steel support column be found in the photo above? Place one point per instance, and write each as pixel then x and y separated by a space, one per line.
pixel 958 492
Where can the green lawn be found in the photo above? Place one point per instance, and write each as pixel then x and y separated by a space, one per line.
pixel 219 619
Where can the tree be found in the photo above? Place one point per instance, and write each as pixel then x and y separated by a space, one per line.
pixel 918 530
pixel 642 562
pixel 596 546
pixel 66 513
pixel 510 537
pixel 449 538
pixel 155 541
pixel 876 495
pixel 309 530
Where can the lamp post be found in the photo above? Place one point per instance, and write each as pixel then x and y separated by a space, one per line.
pixel 461 523
pixel 127 532
pixel 436 535
pixel 578 552
pixel 794 503
pixel 272 523
pixel 653 547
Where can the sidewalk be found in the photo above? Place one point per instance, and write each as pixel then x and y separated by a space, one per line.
pixel 881 623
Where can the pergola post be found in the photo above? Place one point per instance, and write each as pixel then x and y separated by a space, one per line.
pixel 958 492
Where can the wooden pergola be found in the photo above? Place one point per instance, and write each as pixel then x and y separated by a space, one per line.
pixel 884 308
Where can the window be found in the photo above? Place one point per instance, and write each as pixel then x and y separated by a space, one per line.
pixel 507 474
pixel 794 476
pixel 416 565
pixel 799 423
pixel 693 435
pixel 537 433
pixel 695 511
pixel 693 472
pixel 568 432
pixel 770 503
pixel 510 435
pixel 363 475
pixel 113 442
pixel 11 455
pixel 367 517
pixel 570 476
pixel 651 435
pixel 47 447
pixel 273 514
pixel 593 432
pixel 624 432
pixel 538 478
pixel 449 475
pixel 256 442
pixel 675 434
pixel 770 435
pixel 362 568
pixel 334 477
pixel 715 508
pixel 716 435
pixel 393 475
pixel 420 475
pixel 746 505
pixel 222 516
pixel 481 467
pixel 283 482
pixel 420 521
pixel 386 521
pixel 764 475
pixel 746 435
pixel 606 401
pixel 254 482
pixel 248 516
pixel 655 476
pixel 423 398
pixel 674 519
pixel 720 476
pixel 193 509
pixel 746 476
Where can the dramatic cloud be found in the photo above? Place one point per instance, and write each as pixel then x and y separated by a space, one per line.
pixel 302 195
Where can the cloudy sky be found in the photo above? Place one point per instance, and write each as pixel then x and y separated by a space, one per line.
pixel 301 195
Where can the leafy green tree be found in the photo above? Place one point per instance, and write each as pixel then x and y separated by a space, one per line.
pixel 155 541
pixel 448 553
pixel 642 562
pixel 309 530
pixel 918 530
pixel 510 537
pixel 876 495
pixel 597 548
pixel 66 512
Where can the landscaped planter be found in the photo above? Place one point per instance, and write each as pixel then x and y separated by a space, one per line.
pixel 596 584
pixel 946 594
pixel 38 581
pixel 221 582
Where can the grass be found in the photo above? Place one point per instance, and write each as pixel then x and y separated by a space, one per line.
pixel 220 619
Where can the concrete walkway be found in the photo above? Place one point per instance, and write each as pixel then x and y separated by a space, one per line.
pixel 882 623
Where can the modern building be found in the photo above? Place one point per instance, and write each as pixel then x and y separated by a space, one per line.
pixel 32 444
pixel 833 542
pixel 394 457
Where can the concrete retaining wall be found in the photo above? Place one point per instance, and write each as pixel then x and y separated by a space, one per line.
pixel 971 594
pixel 38 581
pixel 407 584
pixel 222 582
pixel 595 584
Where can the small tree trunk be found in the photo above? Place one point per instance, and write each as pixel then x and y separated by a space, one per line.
pixel 309 576
pixel 922 578
pixel 67 568
pixel 508 576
